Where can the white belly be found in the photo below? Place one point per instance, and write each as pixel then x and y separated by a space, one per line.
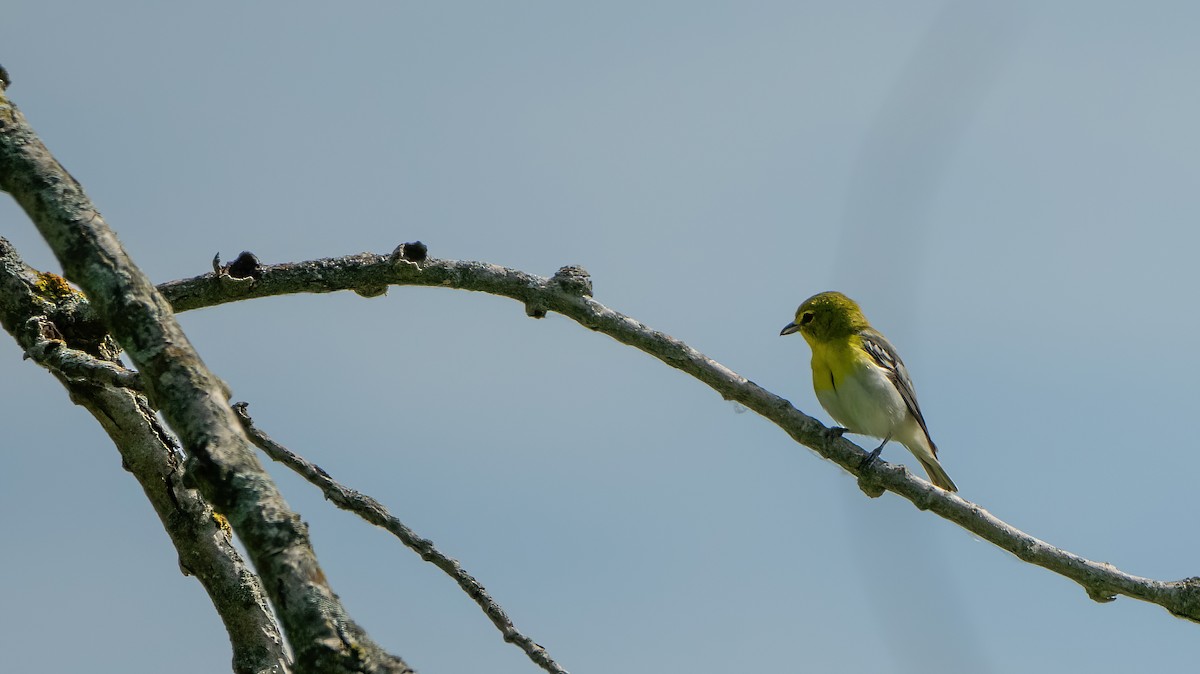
pixel 867 403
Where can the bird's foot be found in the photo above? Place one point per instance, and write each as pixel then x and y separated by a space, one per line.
pixel 870 458
pixel 834 432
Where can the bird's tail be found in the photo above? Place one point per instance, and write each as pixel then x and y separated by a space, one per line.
pixel 937 475
pixel 925 451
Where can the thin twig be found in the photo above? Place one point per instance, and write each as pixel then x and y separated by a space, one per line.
pixel 374 512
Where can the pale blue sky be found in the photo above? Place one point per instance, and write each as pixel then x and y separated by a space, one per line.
pixel 1010 192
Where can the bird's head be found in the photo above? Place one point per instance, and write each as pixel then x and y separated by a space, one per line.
pixel 827 316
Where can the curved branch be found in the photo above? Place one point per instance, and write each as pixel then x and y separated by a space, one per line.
pixel 568 293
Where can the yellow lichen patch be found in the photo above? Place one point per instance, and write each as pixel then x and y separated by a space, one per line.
pixel 223 524
pixel 54 287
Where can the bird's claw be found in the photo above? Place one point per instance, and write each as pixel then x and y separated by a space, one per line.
pixel 870 458
pixel 835 432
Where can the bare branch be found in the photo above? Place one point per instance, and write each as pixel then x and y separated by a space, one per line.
pixel 76 365
pixel 373 511
pixel 220 459
pixel 148 452
pixel 568 293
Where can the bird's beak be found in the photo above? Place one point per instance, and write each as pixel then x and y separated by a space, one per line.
pixel 789 329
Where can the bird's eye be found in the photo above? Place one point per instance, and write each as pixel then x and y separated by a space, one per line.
pixel 806 318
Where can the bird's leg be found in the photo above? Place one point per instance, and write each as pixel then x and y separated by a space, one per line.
pixel 874 453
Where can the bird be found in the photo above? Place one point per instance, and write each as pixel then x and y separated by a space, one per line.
pixel 861 382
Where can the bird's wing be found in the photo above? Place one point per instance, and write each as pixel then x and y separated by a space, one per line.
pixel 884 354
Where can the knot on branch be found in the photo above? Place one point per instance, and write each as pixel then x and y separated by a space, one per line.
pixel 868 485
pixel 573 280
pixel 43 350
pixel 1186 600
pixel 371 291
pixel 44 332
pixel 413 253
pixel 1100 595
pixel 244 266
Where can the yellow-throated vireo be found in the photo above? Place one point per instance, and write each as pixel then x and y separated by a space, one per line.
pixel 861 381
